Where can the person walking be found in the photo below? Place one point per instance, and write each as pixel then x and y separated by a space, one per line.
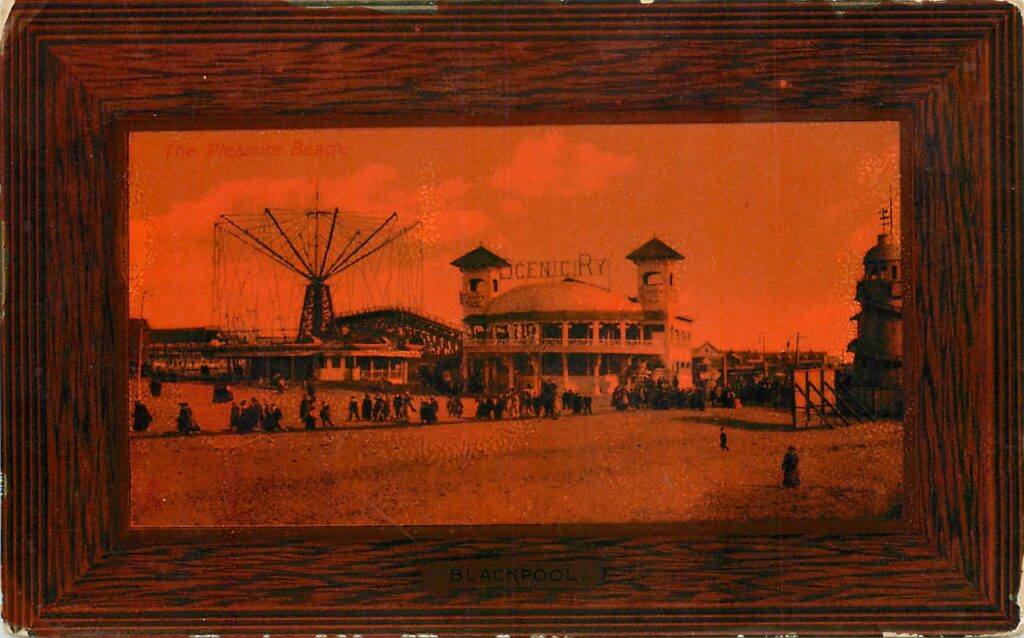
pixel 325 416
pixel 367 408
pixel 186 422
pixel 790 468
pixel 723 440
pixel 141 418
pixel 435 407
pixel 401 413
pixel 236 416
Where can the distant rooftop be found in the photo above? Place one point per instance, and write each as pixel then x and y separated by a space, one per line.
pixel 191 334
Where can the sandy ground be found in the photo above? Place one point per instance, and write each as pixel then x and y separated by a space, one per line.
pixel 646 466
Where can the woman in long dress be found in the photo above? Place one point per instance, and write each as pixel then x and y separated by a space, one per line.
pixel 790 468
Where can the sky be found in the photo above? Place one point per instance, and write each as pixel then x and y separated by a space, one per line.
pixel 773 218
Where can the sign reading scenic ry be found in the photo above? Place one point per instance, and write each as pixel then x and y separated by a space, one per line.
pixel 583 266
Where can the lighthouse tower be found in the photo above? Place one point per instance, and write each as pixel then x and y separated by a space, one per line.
pixel 878 348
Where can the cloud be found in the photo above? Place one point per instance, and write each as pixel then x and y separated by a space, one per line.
pixel 374 188
pixel 552 165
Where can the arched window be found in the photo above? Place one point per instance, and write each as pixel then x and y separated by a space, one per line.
pixel 494 282
pixel 894 271
pixel 474 284
pixel 652 278
pixel 671 278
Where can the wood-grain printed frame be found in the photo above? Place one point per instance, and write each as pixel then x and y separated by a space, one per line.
pixel 77 75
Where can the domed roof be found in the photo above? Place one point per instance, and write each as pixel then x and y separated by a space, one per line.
pixel 884 250
pixel 565 297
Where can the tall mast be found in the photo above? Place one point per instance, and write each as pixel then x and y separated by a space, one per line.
pixel 316 230
pixel 887 215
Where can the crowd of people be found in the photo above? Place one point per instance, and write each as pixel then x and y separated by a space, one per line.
pixel 768 391
pixel 658 395
pixel 399 408
pixel 253 414
pixel 517 404
pixel 546 401
pixel 663 395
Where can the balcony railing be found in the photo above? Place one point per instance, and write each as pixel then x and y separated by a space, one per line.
pixel 468 298
pixel 380 374
pixel 501 341
pixel 532 344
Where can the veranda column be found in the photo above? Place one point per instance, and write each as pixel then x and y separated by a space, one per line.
pixel 464 367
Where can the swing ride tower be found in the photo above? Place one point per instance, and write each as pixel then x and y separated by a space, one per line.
pixel 313 247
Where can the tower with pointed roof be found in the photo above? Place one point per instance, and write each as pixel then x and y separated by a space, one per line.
pixel 480 278
pixel 658 272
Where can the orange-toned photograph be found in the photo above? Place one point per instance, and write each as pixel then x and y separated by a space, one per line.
pixel 574 324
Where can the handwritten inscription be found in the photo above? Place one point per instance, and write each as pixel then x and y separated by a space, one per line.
pixel 584 265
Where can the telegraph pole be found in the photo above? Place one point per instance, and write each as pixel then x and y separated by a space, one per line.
pixel 138 367
pixel 764 354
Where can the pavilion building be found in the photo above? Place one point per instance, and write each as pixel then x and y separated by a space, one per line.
pixel 573 333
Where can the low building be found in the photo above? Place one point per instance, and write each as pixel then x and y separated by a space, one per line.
pixel 190 352
pixel 713 366
pixel 322 361
pixel 388 344
pixel 573 333
pixel 437 343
